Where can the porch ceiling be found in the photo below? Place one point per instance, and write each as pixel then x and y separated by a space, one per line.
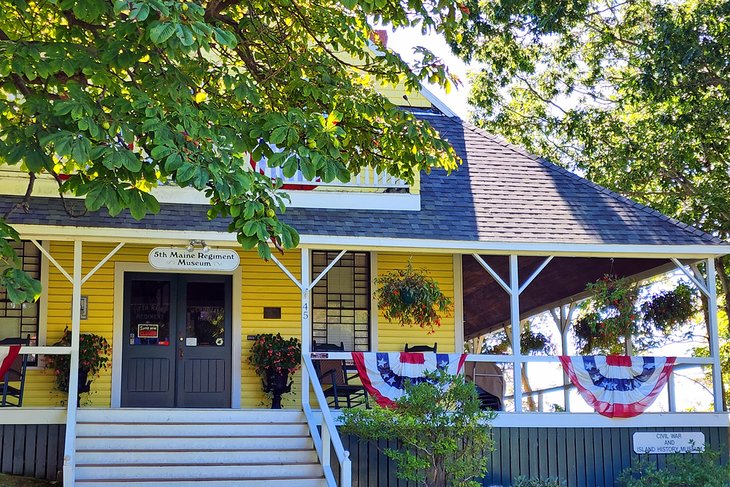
pixel 487 305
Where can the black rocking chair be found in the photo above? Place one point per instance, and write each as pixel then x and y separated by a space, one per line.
pixel 12 395
pixel 422 348
pixel 340 382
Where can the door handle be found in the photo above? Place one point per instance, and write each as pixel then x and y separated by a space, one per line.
pixel 180 353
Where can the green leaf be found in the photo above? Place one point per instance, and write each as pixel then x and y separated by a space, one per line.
pixel 162 32
pixel 186 172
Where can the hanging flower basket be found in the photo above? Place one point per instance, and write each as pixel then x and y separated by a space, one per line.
pixel 669 309
pixel 609 315
pixel 410 297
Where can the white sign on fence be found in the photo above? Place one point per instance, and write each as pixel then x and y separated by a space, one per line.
pixel 661 442
pixel 166 258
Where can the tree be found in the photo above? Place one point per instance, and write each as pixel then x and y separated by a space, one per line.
pixel 115 97
pixel 634 94
pixel 441 429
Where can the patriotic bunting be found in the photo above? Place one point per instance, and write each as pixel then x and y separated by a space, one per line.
pixel 384 374
pixel 618 386
pixel 7 356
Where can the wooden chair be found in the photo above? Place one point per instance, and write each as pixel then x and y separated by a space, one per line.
pixel 421 348
pixel 340 381
pixel 12 395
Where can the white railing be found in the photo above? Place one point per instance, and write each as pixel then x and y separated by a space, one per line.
pixel 368 178
pixel 330 438
pixel 680 363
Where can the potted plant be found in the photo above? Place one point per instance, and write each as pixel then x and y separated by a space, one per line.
pixel 608 315
pixel 669 309
pixel 275 359
pixel 93 358
pixel 410 297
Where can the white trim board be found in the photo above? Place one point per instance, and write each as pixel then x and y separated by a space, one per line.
pixel 31 415
pixel 319 242
pixel 118 326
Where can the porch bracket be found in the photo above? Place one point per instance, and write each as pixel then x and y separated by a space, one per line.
pixel 492 273
pixel 327 269
pixel 102 262
pixel 53 261
pixel 288 274
pixel 535 274
pixel 702 287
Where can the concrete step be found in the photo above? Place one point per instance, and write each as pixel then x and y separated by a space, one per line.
pixel 260 482
pixel 147 471
pixel 193 457
pixel 156 430
pixel 183 443
pixel 136 415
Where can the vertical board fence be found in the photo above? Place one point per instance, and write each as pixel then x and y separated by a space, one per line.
pixel 32 450
pixel 580 457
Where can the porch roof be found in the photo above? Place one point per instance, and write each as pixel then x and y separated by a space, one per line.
pixel 499 194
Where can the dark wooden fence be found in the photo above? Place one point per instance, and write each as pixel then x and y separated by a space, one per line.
pixel 33 450
pixel 580 457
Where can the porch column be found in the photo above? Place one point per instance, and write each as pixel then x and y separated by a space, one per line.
pixel 714 336
pixel 514 283
pixel 69 461
pixel 306 319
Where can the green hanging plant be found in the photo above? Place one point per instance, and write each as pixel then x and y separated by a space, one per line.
pixel 609 315
pixel 410 297
pixel 669 309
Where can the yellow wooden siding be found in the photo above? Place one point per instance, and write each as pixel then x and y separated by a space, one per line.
pixel 391 336
pixel 264 285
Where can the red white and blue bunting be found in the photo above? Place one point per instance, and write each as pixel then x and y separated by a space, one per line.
pixel 618 386
pixel 384 374
pixel 7 356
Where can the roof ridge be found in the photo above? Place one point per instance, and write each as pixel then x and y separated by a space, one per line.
pixel 551 166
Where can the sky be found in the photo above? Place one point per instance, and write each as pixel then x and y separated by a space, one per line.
pixel 404 40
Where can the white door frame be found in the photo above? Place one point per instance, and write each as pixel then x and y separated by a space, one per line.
pixel 118 336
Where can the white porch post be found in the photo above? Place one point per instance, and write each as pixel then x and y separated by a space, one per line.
pixel 714 335
pixel 514 283
pixel 306 319
pixel 69 461
pixel 458 305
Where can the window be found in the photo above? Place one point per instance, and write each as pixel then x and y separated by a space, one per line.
pixel 18 320
pixel 341 300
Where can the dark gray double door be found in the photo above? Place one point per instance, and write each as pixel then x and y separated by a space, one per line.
pixel 177 341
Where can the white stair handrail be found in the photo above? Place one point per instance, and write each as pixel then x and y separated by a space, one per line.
pixel 330 437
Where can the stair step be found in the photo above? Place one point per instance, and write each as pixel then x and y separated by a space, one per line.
pixel 87 429
pixel 251 482
pixel 162 457
pixel 157 416
pixel 183 443
pixel 197 472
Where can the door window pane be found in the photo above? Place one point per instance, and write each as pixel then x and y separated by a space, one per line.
pixel 205 314
pixel 149 313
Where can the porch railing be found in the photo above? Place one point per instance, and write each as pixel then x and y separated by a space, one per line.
pixel 368 178
pixel 329 439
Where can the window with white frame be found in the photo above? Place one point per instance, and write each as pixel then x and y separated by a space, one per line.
pixel 22 320
pixel 341 300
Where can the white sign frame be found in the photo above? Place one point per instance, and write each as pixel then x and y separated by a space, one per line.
pixel 667 442
pixel 179 259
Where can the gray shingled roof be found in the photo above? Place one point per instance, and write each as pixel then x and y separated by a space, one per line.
pixel 499 194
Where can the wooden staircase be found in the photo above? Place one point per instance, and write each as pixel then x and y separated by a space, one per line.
pixel 194 447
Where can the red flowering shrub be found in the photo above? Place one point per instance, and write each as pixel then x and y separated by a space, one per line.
pixel 271 352
pixel 94 353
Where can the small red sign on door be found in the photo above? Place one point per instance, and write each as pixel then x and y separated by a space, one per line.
pixel 148 330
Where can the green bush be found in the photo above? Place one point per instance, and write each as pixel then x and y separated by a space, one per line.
pixel 442 430
pixel 525 482
pixel 682 470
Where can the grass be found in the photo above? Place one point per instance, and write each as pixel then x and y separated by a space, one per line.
pixel 16 481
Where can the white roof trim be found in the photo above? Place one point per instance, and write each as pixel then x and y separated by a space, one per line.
pixel 140 235
pixel 438 103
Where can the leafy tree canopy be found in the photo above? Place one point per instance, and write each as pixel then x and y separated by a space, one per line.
pixel 115 97
pixel 634 94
